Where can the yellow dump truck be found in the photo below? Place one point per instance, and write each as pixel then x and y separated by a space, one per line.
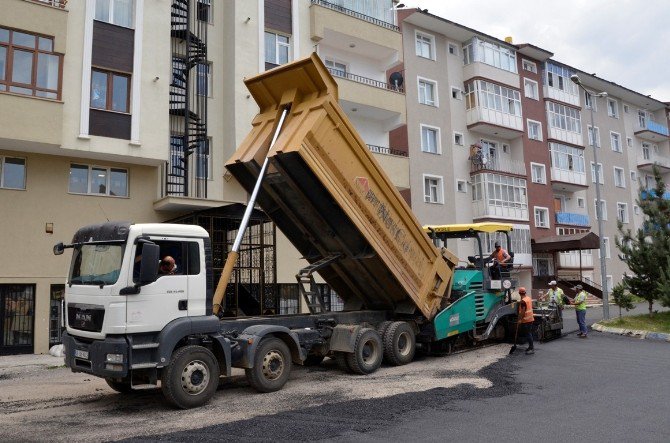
pixel 308 169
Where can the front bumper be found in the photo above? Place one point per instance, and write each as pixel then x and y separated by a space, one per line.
pixel 90 356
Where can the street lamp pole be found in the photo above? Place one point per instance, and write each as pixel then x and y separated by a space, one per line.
pixel 599 210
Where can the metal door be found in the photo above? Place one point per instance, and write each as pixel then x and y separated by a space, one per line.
pixel 17 319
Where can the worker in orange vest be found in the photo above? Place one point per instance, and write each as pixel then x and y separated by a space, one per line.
pixel 525 319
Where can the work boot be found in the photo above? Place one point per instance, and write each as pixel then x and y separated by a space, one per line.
pixel 530 351
pixel 583 336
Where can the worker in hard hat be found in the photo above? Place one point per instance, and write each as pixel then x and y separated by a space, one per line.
pixel 580 310
pixel 555 294
pixel 526 319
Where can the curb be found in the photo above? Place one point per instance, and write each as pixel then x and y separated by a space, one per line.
pixel 636 333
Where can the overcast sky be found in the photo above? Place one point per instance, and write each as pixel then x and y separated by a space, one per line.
pixel 623 41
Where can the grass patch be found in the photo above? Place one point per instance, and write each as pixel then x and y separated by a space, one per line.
pixel 659 322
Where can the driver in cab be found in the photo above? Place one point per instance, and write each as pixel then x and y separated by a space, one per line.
pixel 499 256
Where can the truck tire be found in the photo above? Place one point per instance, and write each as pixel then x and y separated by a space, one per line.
pixel 368 352
pixel 272 366
pixel 341 360
pixel 122 387
pixel 191 378
pixel 399 344
pixel 382 327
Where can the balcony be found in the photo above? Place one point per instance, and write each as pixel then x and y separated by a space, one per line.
pixel 31 123
pixel 46 17
pixel 395 163
pixel 55 3
pixel 483 164
pixel 561 95
pixel 567 180
pixel 647 164
pixel 494 123
pixel 509 211
pixel 652 131
pixel 574 138
pixel 569 218
pixel 482 70
pixel 339 73
pixel 571 260
pixel 356 14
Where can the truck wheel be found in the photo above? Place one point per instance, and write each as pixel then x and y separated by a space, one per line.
pixel 399 344
pixel 191 378
pixel 368 352
pixel 382 327
pixel 122 387
pixel 272 366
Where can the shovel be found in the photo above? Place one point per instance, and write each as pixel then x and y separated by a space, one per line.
pixel 516 334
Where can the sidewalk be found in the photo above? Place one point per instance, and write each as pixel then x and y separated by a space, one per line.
pixel 28 360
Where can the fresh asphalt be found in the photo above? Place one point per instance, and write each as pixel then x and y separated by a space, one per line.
pixel 602 389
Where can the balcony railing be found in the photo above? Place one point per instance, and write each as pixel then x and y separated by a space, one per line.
pixel 387 151
pixel 366 81
pixel 569 218
pixel 55 3
pixel 352 13
pixel 654 127
pixel 482 163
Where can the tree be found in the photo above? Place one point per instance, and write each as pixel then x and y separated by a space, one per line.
pixel 645 250
pixel 622 298
pixel 663 284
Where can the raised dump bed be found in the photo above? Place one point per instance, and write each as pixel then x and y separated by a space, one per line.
pixel 329 196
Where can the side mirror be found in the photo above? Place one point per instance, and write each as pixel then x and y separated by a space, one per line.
pixel 59 248
pixel 149 264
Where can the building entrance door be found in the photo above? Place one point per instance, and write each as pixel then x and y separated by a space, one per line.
pixel 17 319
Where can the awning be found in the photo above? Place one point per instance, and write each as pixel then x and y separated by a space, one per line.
pixel 576 242
pixel 476 227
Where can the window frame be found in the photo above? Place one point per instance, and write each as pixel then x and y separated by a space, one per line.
pixel 11 47
pixel 601 174
pixel 462 189
pixel 536 95
pixel 108 169
pixel 589 131
pixel 622 183
pixel 207 5
pixel 614 114
pixel 543 175
pixel 209 81
pixel 428 39
pixel 541 210
pixel 626 218
pixel 458 93
pixel 110 20
pixel 525 62
pixel 277 43
pixel 604 208
pixel 452 49
pixel 3 159
pixel 439 189
pixel 435 102
pixel 110 90
pixel 537 124
pixel 457 136
pixel 616 135
pixel 581 202
pixel 438 142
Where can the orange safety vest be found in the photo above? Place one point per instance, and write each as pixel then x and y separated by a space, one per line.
pixel 500 255
pixel 528 315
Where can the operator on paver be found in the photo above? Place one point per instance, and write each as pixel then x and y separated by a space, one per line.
pixel 580 309
pixel 525 319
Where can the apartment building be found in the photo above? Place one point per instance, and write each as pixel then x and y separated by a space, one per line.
pixel 139 105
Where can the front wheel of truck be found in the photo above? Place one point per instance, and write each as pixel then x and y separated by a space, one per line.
pixel 191 378
pixel 272 366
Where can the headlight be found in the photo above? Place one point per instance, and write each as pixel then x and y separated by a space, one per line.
pixel 115 368
pixel 114 358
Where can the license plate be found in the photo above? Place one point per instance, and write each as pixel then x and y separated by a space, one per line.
pixel 81 354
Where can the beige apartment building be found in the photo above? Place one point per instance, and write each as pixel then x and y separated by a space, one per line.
pixel 128 110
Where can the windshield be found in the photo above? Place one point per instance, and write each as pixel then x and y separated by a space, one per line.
pixel 96 264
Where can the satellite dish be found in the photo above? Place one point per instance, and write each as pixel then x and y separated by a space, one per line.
pixel 396 80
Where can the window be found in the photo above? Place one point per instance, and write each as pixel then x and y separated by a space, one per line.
pixel 453 49
pixel 204 85
pixel 424 45
pixel 430 139
pixel 12 173
pixel 110 91
pixel 622 212
pixel 646 153
pixel 530 89
pixel 205 11
pixel 625 109
pixel 642 118
pixel 564 117
pixel 116 12
pixel 493 96
pixel 500 191
pixel 28 64
pixel 612 108
pixel 589 102
pixel 529 66
pixel 427 92
pixel 629 142
pixel 432 188
pixel 541 217
pixel 539 173
pixel 543 265
pixel 456 93
pixel 478 50
pixel 633 176
pixel 203 159
pixel 619 178
pixel 461 186
pixel 567 158
pixel 601 177
pixel 597 132
pixel 558 77
pixel 336 68
pixel 636 209
pixel 534 130
pixel 615 141
pixel 98 180
pixel 458 138
pixel 580 202
pixel 276 48
pixel 603 208
pixel 606 244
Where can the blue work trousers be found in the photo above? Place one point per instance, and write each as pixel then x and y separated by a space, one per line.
pixel 581 321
